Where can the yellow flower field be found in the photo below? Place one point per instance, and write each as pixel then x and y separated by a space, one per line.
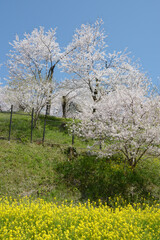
pixel 40 220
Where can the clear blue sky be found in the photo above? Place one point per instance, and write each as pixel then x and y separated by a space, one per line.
pixel 129 23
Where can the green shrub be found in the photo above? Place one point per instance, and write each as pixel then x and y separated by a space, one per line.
pixel 105 179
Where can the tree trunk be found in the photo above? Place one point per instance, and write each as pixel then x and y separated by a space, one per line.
pixel 50 77
pixel 132 163
pixel 64 107
pixel 48 107
pixel 36 116
pixel 95 94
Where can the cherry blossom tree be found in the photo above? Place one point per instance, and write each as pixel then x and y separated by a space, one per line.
pixel 34 58
pixel 29 94
pixel 86 62
pixel 127 121
pixel 93 68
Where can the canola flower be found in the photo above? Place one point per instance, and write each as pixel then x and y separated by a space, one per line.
pixel 40 220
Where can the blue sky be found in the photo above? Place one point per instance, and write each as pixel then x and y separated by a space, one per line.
pixel 128 23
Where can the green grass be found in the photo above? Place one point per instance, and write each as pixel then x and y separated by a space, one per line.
pixel 30 170
pixel 55 131
pixel 49 171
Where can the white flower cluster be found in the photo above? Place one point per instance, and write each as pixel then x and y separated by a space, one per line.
pixel 126 121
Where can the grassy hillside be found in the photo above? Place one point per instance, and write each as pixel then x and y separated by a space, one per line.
pixel 55 130
pixel 30 169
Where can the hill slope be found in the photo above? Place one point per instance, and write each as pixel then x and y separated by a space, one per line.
pixel 31 169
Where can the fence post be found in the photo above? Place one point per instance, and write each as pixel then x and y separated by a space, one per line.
pixel 73 138
pixel 44 128
pixel 32 123
pixel 10 124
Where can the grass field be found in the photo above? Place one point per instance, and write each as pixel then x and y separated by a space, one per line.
pixel 55 130
pixel 30 169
